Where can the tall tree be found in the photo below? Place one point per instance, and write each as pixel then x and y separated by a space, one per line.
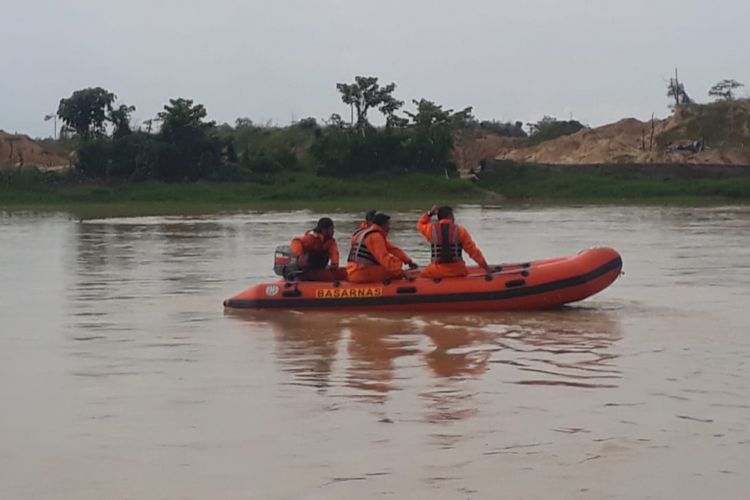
pixel 430 114
pixel 120 118
pixel 725 89
pixel 190 150
pixel 181 118
pixel 364 94
pixel 85 111
pixel 243 123
pixel 432 140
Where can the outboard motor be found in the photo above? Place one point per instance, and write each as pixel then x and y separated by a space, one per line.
pixel 285 262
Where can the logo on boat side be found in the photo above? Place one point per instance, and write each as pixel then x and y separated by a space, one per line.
pixel 352 293
pixel 272 290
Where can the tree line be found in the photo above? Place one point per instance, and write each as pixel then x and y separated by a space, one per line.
pixel 181 144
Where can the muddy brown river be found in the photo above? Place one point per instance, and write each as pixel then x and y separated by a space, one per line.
pixel 121 377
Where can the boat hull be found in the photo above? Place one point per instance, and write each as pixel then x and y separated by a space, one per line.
pixel 542 284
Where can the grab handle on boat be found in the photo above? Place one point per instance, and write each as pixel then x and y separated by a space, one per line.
pixel 515 283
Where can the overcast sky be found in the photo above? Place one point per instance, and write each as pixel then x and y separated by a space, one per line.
pixel 597 61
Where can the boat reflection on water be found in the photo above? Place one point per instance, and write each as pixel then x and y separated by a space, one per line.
pixel 570 347
pixel 375 345
pixel 441 356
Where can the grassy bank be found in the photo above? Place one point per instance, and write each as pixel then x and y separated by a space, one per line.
pixel 610 185
pixel 506 184
pixel 301 191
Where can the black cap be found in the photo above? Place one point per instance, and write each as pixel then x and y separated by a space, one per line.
pixel 445 213
pixel 324 223
pixel 381 219
pixel 369 216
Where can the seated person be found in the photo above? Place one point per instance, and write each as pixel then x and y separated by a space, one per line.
pixel 317 253
pixel 369 217
pixel 447 242
pixel 370 259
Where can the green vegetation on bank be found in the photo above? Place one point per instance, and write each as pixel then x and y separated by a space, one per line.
pixel 179 161
pixel 507 184
pixel 539 183
pixel 32 189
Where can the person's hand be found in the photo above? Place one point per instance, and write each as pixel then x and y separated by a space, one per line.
pixel 333 267
pixel 433 210
pixel 413 265
pixel 303 260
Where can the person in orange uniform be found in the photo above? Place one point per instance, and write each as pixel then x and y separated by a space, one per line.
pixel 369 216
pixel 318 254
pixel 447 240
pixel 370 259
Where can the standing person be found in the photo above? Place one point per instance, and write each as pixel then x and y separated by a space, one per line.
pixel 370 258
pixel 447 241
pixel 317 253
pixel 402 256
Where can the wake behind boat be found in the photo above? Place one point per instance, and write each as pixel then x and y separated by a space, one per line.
pixel 541 284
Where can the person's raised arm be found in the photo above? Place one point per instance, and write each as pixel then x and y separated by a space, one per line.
pixel 424 222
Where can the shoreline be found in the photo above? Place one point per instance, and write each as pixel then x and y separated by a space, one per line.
pixel 645 170
pixel 500 184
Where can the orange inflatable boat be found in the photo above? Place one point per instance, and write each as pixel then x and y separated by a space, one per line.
pixel 541 284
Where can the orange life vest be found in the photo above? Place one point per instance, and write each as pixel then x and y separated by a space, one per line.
pixel 445 245
pixel 317 257
pixel 359 252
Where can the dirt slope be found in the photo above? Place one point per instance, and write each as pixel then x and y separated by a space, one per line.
pixel 17 150
pixel 628 141
pixel 723 127
pixel 472 147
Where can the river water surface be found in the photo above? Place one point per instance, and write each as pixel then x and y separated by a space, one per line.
pixel 121 377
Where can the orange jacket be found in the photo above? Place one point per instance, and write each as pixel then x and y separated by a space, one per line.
pixel 400 254
pixel 389 264
pixel 424 225
pixel 314 242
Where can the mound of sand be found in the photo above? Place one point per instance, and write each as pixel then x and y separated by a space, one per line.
pixel 18 151
pixel 630 141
